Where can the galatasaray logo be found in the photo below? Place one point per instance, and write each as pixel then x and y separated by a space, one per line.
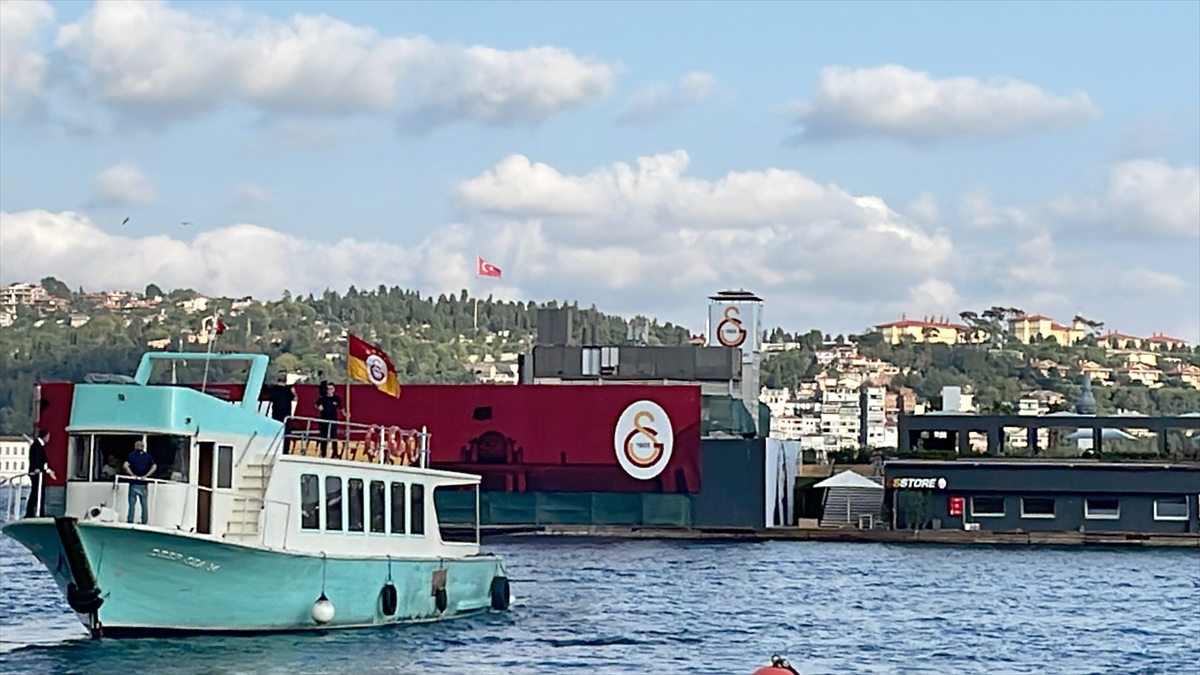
pixel 377 370
pixel 730 332
pixel 643 440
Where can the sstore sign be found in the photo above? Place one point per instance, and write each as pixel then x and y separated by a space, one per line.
pixel 919 483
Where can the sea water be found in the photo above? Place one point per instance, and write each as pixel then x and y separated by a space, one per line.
pixel 640 606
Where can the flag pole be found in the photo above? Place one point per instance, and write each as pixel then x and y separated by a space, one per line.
pixel 204 382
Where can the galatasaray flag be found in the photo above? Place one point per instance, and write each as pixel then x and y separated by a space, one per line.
pixel 369 364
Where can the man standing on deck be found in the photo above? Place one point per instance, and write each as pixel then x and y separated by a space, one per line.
pixel 281 395
pixel 38 470
pixel 138 464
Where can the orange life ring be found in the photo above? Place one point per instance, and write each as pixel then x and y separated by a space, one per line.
pixel 371 446
pixel 414 450
pixel 395 451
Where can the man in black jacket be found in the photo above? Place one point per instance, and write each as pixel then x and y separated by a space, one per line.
pixel 39 469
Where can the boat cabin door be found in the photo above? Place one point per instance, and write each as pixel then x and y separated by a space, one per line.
pixel 204 494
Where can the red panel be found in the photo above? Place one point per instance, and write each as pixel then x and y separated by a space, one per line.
pixel 540 437
pixel 549 437
pixel 55 415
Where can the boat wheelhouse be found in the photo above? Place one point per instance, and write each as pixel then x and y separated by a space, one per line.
pixel 250 524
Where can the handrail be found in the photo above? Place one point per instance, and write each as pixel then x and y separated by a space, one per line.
pixel 385 445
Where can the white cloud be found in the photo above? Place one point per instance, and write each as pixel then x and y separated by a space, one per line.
pixel 152 60
pixel 233 260
pixel 896 102
pixel 651 230
pixel 659 100
pixel 250 193
pixel 123 184
pixel 1151 197
pixel 22 67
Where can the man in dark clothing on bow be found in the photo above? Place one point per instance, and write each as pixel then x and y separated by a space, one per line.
pixel 281 395
pixel 39 469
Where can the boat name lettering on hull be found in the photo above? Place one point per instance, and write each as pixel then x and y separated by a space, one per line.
pixel 190 561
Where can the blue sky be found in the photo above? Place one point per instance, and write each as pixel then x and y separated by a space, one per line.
pixel 847 161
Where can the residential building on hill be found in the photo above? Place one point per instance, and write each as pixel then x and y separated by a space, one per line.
pixel 22 294
pixel 930 329
pixel 1027 327
pixel 1158 341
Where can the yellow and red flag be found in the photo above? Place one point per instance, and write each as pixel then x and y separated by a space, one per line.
pixel 370 364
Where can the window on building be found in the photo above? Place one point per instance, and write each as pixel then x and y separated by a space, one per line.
pixel 224 466
pixel 398 503
pixel 1037 507
pixel 417 510
pixel 987 507
pixel 1102 508
pixel 310 502
pixel 378 507
pixel 354 499
pixel 1171 508
pixel 333 503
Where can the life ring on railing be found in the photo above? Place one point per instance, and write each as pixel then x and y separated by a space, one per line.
pixel 395 445
pixel 371 446
pixel 414 450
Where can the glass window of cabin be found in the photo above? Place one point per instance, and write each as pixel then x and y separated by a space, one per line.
pixel 417 510
pixel 987 507
pixel 170 454
pixel 354 498
pixel 80 457
pixel 1102 508
pixel 110 451
pixel 378 507
pixel 398 503
pixel 333 503
pixel 1171 508
pixel 1037 507
pixel 310 502
pixel 224 466
pixel 455 507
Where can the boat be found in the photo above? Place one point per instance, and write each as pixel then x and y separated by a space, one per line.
pixel 246 526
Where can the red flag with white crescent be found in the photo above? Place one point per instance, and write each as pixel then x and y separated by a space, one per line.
pixel 484 268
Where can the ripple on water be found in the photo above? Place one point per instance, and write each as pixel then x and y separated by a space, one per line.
pixel 590 606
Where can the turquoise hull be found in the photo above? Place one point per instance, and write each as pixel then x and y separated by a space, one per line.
pixel 152 581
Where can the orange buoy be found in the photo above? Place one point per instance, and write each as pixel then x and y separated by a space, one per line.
pixel 779 666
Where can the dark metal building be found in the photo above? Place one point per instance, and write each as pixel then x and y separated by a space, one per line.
pixel 1008 495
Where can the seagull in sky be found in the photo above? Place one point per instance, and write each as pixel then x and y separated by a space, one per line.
pixel 185 223
pixel 125 222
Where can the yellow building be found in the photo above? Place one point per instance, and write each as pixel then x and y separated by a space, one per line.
pixel 1030 326
pixel 930 329
pixel 1159 341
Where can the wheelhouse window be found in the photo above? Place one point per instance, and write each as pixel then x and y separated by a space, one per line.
pixel 1102 508
pixel 171 456
pixel 1037 507
pixel 310 502
pixel 333 503
pixel 987 507
pixel 354 497
pixel 1171 508
pixel 224 466
pixel 109 452
pixel 417 510
pixel 378 507
pixel 80 457
pixel 398 502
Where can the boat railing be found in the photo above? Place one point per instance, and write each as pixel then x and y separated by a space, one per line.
pixel 251 506
pixel 16 484
pixel 374 443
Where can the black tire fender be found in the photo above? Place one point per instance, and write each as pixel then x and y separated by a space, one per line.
pixel 501 595
pixel 388 599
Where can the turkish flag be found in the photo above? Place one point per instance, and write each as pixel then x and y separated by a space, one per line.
pixel 484 268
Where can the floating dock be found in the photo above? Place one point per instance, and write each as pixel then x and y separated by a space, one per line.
pixel 943 537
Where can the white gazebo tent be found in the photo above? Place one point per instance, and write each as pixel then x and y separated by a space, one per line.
pixel 848 496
